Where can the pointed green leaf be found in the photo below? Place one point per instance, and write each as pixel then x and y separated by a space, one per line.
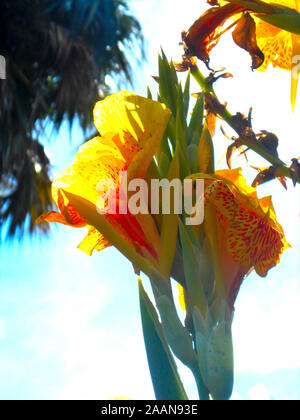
pixel 149 93
pixel 186 95
pixel 167 83
pixel 289 21
pixel 165 378
pixel 169 228
pixel 163 164
pixel 193 158
pixel 191 259
pixel 196 123
pixel 181 144
pixel 206 152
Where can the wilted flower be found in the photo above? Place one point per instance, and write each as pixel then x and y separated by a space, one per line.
pixel 273 42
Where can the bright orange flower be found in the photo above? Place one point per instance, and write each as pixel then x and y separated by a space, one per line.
pixel 242 230
pixel 131 129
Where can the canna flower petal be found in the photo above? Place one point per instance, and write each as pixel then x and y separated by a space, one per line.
pixel 203 35
pixel 276 44
pixel 248 234
pixel 67 216
pixel 93 241
pixel 131 128
pixel 142 122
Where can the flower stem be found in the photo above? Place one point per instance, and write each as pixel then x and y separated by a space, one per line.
pixel 228 118
pixel 201 80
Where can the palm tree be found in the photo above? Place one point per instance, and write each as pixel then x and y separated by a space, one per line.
pixel 57 56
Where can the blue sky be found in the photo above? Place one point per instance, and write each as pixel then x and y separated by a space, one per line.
pixel 69 323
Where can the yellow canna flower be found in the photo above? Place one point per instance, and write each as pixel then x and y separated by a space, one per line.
pixel 131 129
pixel 242 230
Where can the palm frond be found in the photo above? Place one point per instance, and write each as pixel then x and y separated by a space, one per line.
pixel 58 54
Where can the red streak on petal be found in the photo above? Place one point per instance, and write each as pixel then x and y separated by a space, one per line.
pixel 134 231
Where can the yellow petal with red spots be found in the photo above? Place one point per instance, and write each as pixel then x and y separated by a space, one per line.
pixel 236 177
pixel 276 45
pixel 242 229
pixel 98 159
pixel 253 236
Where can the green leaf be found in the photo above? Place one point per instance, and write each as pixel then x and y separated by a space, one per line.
pixel 206 152
pixel 196 123
pixel 164 155
pixel 149 94
pixel 186 95
pixel 169 228
pixel 290 21
pixel 181 145
pixel 163 164
pixel 168 83
pixel 165 378
pixel 192 270
pixel 193 158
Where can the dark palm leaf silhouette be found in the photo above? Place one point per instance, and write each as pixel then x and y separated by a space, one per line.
pixel 57 56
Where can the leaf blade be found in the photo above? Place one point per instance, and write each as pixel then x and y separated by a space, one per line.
pixel 165 378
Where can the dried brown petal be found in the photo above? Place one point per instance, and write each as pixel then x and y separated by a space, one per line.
pixel 241 123
pixel 229 153
pixel 268 174
pixel 212 78
pixel 295 171
pixel 237 145
pixel 244 35
pixel 213 105
pixel 269 141
pixel 202 35
pixel 186 64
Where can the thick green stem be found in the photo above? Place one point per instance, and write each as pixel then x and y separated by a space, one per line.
pixel 202 390
pixel 228 118
pixel 201 80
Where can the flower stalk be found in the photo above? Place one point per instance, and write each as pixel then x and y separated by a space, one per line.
pixel 227 116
